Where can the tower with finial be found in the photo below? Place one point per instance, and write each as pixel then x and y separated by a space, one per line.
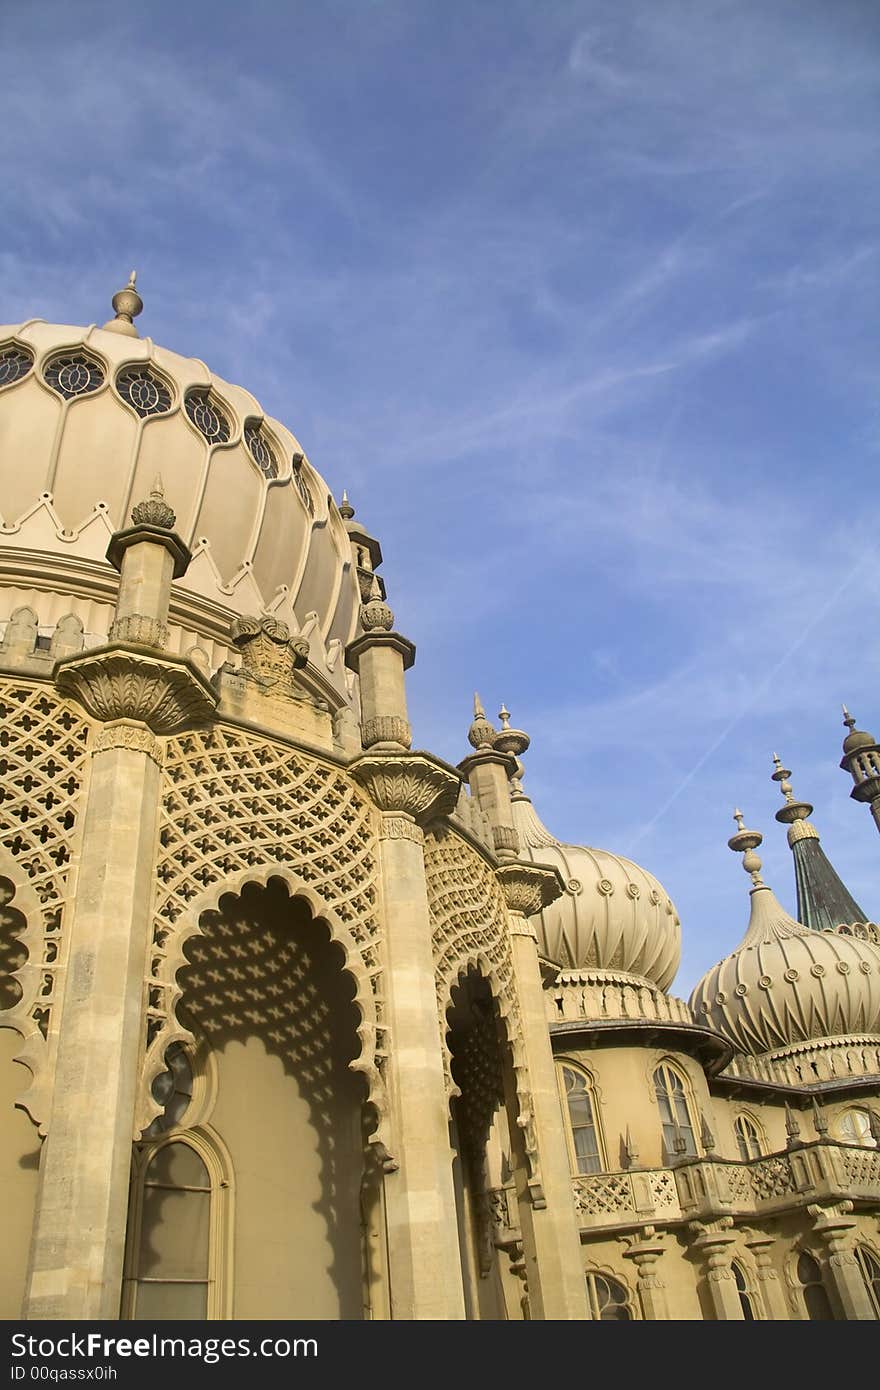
pixel 861 759
pixel 822 898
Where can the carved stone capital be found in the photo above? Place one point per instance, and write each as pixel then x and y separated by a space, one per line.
pixel 156 535
pixel 139 630
pixel 386 728
pixel 400 827
pixel 505 838
pixel 166 693
pixel 528 888
pixel 415 783
pixel 127 734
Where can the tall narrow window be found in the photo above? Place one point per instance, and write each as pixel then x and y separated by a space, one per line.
pixel 582 1119
pixel 815 1297
pixel 746 1296
pixel 747 1138
pixel 870 1267
pixel 608 1299
pixel 675 1118
pixel 171 1270
pixel 854 1127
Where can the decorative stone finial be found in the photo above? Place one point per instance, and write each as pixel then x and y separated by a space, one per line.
pixel 856 738
pixel 792 810
pixel 745 842
pixel 346 510
pixel 376 615
pixel 481 733
pixel 509 740
pixel 792 1128
pixel 128 304
pixel 155 511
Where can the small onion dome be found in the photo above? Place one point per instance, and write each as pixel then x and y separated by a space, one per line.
pixel 856 738
pixel 785 983
pixel 613 915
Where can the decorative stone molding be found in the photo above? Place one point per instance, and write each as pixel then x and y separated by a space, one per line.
pixel 528 888
pixel 269 655
pixel 112 683
pixel 713 1239
pixel 400 827
pixel 504 837
pixel 386 728
pixel 125 734
pixel 415 783
pixel 139 630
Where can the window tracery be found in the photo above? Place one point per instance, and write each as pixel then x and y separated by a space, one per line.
pixel 747 1138
pixel 608 1299
pixel 15 362
pixel 813 1291
pixel 675 1116
pixel 144 391
pixel 583 1121
pixel 207 416
pixel 869 1266
pixel 73 374
pixel 261 450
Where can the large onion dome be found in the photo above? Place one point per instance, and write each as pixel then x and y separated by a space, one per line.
pixel 785 983
pixel 88 418
pixel 614 915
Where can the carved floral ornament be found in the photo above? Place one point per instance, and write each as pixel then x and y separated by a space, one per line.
pixel 412 783
pixel 529 888
pixel 164 693
pixel 269 654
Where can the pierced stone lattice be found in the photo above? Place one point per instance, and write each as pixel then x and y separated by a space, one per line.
pixel 235 809
pixel 42 767
pixel 603 1196
pixel 772 1177
pixel 738 1184
pixel 470 928
pixel 861 1168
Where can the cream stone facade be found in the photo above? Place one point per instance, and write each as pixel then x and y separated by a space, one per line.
pixel 300 1022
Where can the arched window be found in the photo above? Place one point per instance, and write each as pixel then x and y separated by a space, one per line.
pixel 815 1297
pixel 747 1138
pixel 176 1255
pixel 584 1129
pixel 745 1291
pixel 870 1267
pixel 854 1127
pixel 675 1117
pixel 609 1301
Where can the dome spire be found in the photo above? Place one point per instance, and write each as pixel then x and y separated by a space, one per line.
pixel 745 842
pixel 481 733
pixel 823 900
pixel 861 759
pixel 128 304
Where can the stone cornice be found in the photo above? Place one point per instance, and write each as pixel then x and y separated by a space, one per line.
pixel 528 888
pixel 155 535
pixel 166 693
pixel 416 784
pixel 484 756
pixel 395 640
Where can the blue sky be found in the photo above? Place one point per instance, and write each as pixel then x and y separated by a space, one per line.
pixel 579 301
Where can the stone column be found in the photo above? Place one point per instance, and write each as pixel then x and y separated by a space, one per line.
pixel 136 692
pixel 551 1238
pixel 488 770
pixel 644 1251
pixel 772 1296
pixel 835 1227
pixel 712 1243
pixel 423 1254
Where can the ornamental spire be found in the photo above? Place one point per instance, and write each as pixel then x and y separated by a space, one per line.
pixel 127 304
pixel 745 842
pixel 823 900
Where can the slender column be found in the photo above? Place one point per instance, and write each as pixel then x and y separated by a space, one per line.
pixel 551 1238
pixel 772 1296
pixel 136 691
pixel 645 1250
pixel 423 1253
pixel 488 770
pixel 835 1228
pixel 712 1243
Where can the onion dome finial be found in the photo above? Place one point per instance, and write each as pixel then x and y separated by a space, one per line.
pixel 127 304
pixel 346 510
pixel 856 738
pixel 509 740
pixel 745 842
pixel 481 733
pixel 155 511
pixel 375 614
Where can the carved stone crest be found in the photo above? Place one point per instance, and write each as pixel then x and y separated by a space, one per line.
pixel 269 655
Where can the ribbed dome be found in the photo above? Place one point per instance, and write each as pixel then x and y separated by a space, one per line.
pixel 89 417
pixel 786 984
pixel 613 915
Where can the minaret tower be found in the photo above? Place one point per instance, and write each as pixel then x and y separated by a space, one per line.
pixel 823 900
pixel 861 759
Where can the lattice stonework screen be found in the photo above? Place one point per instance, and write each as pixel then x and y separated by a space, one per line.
pixel 469 927
pixel 235 806
pixel 42 769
